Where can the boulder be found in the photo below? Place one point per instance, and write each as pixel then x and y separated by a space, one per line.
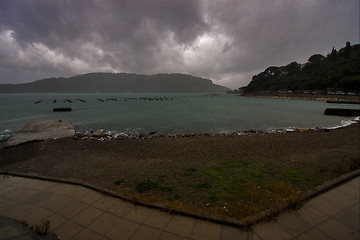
pixel 42 130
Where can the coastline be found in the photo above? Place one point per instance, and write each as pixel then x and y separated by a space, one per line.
pixel 107 136
pixel 102 135
pixel 291 96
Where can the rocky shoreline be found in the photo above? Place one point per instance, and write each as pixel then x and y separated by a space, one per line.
pixel 292 96
pixel 103 136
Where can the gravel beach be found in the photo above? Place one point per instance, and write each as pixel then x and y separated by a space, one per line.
pixel 181 166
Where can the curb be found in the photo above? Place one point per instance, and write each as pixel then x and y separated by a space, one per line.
pixel 247 222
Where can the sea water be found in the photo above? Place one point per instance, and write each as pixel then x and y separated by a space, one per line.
pixel 168 114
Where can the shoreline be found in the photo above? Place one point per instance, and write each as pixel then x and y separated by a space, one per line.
pixel 104 135
pixel 316 97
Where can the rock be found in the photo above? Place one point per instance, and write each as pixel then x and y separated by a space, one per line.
pixel 42 130
pixel 99 134
pixel 81 135
pixel 250 131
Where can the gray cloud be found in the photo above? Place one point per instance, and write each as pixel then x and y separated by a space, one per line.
pixel 227 41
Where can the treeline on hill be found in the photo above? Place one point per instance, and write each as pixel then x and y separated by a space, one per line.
pixel 338 70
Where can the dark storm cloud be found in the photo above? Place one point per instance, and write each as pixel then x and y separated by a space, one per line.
pixel 276 32
pixel 228 41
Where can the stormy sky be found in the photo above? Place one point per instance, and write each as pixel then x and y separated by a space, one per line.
pixel 227 41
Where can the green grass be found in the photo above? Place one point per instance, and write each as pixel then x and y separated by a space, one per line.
pixel 231 187
pixel 146 185
pixel 119 181
pixel 204 185
pixel 190 171
pixel 241 188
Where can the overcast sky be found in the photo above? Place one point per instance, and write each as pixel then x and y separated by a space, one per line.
pixel 227 41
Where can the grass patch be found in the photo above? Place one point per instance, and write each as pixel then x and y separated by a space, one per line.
pixel 205 185
pixel 166 189
pixel 229 187
pixel 161 178
pixel 238 188
pixel 298 177
pixel 146 185
pixel 119 181
pixel 190 171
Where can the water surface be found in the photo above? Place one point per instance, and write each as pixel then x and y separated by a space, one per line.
pixel 165 113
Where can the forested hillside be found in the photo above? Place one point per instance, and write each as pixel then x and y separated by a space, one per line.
pixel 338 70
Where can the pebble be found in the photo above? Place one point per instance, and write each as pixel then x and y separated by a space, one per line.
pixel 100 135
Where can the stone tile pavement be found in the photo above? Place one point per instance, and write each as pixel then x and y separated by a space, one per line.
pixel 76 212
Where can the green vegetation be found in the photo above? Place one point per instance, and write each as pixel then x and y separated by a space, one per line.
pixel 240 188
pixel 119 181
pixel 40 229
pixel 229 187
pixel 339 70
pixel 146 185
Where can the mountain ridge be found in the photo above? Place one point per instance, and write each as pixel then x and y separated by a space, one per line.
pixel 118 83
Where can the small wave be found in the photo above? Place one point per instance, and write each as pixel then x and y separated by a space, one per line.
pixel 345 123
pixel 290 129
pixel 281 130
pixel 5 134
pixel 5 131
pixel 24 118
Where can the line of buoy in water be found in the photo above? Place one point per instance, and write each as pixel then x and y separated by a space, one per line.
pixel 64 101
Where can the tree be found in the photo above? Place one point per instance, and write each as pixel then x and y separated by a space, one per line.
pixel 333 52
pixel 316 58
pixel 347 49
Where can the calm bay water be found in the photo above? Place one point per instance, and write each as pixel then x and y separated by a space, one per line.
pixel 165 113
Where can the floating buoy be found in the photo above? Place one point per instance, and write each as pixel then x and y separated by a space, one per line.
pixel 62 109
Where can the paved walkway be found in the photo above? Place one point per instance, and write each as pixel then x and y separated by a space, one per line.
pixel 79 213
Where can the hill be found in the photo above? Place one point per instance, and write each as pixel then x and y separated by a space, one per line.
pixel 338 70
pixel 118 83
